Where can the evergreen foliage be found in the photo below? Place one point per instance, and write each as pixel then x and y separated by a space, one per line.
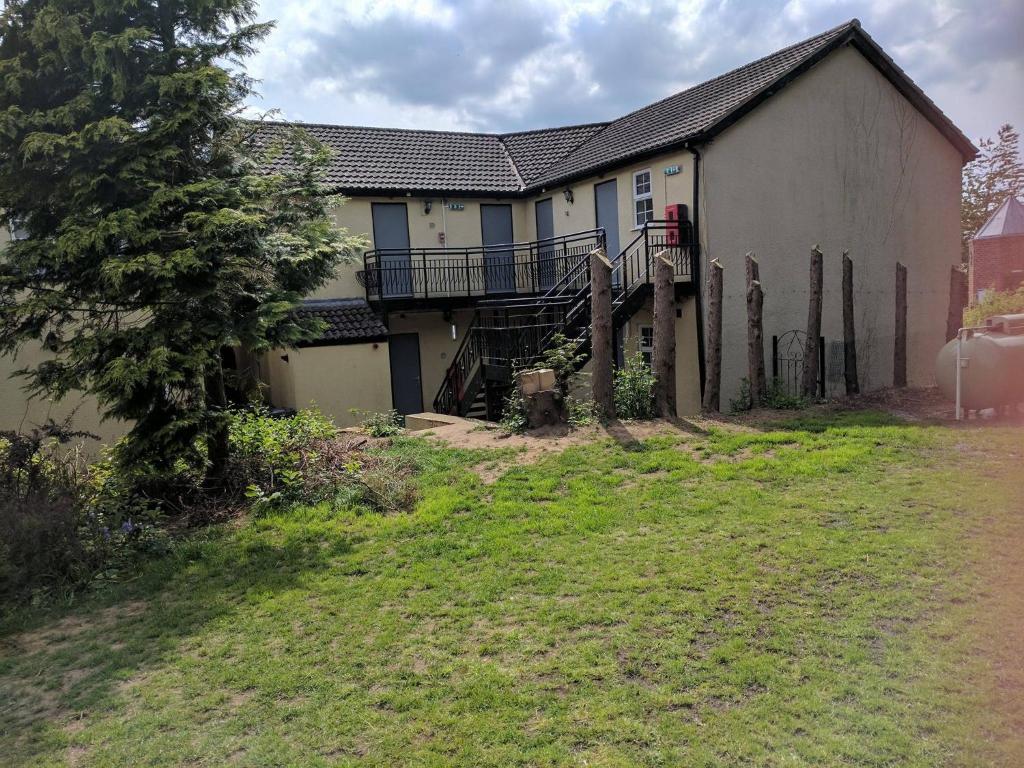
pixel 997 173
pixel 153 237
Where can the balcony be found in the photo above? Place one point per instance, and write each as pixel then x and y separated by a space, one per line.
pixel 454 277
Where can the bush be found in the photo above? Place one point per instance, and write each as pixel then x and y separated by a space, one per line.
pixel 62 522
pixel 995 303
pixel 384 424
pixel 582 413
pixel 513 414
pixel 634 390
pixel 776 397
pixel 302 459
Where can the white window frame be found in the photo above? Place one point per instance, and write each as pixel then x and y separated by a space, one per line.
pixel 645 197
pixel 644 348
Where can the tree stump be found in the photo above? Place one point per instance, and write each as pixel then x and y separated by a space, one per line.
pixel 849 331
pixel 811 362
pixel 663 357
pixel 899 352
pixel 755 344
pixel 601 332
pixel 755 333
pixel 713 382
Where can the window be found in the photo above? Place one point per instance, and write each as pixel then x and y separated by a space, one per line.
pixel 17 229
pixel 643 201
pixel 647 343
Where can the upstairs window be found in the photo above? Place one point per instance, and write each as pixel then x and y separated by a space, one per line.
pixel 643 201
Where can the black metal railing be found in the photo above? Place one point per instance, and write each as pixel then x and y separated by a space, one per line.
pixel 512 269
pixel 509 334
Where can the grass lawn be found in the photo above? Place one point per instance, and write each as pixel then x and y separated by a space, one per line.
pixel 826 591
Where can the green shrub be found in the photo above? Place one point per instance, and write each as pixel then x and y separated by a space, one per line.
pixel 582 413
pixel 562 358
pixel 776 396
pixel 634 390
pixel 513 413
pixel 995 303
pixel 384 424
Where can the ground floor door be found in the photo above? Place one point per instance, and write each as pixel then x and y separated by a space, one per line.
pixel 391 241
pixel 606 204
pixel 499 261
pixel 546 271
pixel 406 378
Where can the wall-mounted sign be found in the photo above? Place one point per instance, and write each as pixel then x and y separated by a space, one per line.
pixel 456 206
pixel 672 170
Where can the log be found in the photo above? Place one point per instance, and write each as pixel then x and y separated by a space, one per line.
pixel 755 332
pixel 663 357
pixel 755 344
pixel 957 301
pixel 713 378
pixel 601 332
pixel 811 363
pixel 899 353
pixel 849 330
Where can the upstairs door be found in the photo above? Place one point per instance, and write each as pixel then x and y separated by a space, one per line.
pixel 499 262
pixel 391 240
pixel 547 274
pixel 606 204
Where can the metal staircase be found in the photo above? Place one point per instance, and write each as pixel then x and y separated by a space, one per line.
pixel 507 335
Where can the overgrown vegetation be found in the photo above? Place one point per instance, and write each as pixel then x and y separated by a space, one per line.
pixel 634 390
pixel 806 593
pixel 380 424
pixel 995 303
pixel 776 396
pixel 513 411
pixel 65 522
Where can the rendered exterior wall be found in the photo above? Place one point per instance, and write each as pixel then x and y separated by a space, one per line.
pixel 336 379
pixel 839 158
pixel 437 348
pixel 687 362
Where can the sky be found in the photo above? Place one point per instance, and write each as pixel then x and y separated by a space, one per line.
pixel 507 65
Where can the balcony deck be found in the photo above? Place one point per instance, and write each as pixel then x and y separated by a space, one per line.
pixel 448 278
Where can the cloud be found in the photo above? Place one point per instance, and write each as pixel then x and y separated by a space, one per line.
pixel 502 66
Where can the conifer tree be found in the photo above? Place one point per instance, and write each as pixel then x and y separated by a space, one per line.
pixel 993 176
pixel 153 237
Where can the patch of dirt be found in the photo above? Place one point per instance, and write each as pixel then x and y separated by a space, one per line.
pixel 67 629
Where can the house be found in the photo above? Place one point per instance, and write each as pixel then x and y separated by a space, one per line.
pixel 997 252
pixel 478 241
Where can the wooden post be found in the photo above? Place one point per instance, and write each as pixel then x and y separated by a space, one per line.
pixel 957 301
pixel 713 385
pixel 810 371
pixel 755 344
pixel 755 333
pixel 753 268
pixel 899 353
pixel 663 357
pixel 849 331
pixel 601 331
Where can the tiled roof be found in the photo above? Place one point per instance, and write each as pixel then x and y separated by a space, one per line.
pixel 388 160
pixel 1007 221
pixel 368 159
pixel 533 152
pixel 347 321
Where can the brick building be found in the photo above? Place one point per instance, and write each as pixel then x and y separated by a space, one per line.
pixel 997 251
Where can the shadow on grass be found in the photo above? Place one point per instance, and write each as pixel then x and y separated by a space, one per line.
pixel 59 665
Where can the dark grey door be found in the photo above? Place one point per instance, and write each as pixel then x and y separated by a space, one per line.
pixel 499 262
pixel 606 203
pixel 391 240
pixel 546 271
pixel 406 381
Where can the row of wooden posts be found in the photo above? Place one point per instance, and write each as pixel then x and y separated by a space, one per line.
pixel 664 353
